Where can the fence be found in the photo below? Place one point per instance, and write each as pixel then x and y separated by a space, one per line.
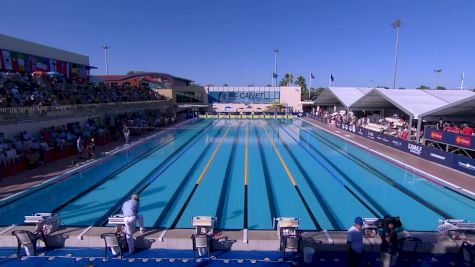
pixel 454 161
pixel 8 115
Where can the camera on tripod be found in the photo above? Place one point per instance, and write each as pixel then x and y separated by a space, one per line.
pixel 376 226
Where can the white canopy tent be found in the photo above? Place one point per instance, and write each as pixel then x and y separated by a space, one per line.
pixel 461 107
pixel 416 103
pixel 341 96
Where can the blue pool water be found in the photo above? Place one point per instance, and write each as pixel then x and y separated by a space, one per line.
pixel 244 172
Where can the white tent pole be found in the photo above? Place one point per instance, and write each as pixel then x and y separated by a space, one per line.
pixel 418 135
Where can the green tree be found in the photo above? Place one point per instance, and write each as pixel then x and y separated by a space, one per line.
pixel 423 87
pixel 287 80
pixel 382 86
pixel 314 93
pixel 441 88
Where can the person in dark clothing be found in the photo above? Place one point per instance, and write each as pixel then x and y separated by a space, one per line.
pixel 389 245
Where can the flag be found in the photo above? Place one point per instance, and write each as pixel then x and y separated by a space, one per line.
pixel 52 65
pixel 7 60
pixel 1 60
pixel 311 75
pixel 274 75
pixel 32 63
pixel 41 64
pixel 331 77
pixel 21 62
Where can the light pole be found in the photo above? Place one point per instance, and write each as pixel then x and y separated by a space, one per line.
pixel 396 25
pixel 106 47
pixel 438 71
pixel 276 50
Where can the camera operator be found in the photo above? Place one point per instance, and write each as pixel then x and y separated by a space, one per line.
pixel 389 241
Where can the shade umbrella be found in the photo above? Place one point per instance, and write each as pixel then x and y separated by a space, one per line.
pixel 55 74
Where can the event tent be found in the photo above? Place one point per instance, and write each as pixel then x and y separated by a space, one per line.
pixel 341 96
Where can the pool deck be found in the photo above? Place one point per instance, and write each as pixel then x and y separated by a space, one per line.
pixel 257 240
pixel 434 172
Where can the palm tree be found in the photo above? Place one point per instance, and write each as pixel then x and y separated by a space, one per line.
pixel 300 81
pixel 287 80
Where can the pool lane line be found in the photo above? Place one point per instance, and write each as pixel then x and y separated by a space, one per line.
pixel 154 174
pixel 246 175
pixel 380 212
pixel 59 178
pixel 427 176
pixel 267 179
pixel 223 195
pixel 292 179
pixel 200 178
pixel 380 175
pixel 183 182
pixel 107 178
pixel 335 222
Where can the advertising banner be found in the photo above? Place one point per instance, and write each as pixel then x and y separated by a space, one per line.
pixel 450 138
pixel 439 156
pixel 464 164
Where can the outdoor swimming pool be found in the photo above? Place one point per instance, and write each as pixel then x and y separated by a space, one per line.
pixel 244 172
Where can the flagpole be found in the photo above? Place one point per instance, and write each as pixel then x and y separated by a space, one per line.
pixel 329 81
pixel 310 85
pixel 461 82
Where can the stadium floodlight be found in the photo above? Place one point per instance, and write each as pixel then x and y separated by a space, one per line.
pixel 275 75
pixel 396 25
pixel 437 71
pixel 106 48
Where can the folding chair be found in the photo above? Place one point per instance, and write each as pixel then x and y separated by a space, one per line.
pixel 112 241
pixel 201 243
pixel 25 239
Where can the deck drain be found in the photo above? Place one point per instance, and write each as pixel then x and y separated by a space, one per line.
pixel 280 259
pixel 92 259
pixel 240 260
pixel 24 258
pixel 184 260
pixel 171 259
pixel 145 260
pixel 213 257
pixel 158 260
pixel 51 258
pixel 226 261
pixel 266 259
pixel 253 261
pixel 198 260
pixel 78 259
pixel 68 255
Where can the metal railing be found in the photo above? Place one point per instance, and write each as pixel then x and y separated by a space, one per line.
pixel 8 115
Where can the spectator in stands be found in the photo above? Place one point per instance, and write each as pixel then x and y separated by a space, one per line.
pixel 354 243
pixel 130 210
pixel 467 130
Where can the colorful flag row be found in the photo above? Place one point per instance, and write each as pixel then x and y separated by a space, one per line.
pixel 19 62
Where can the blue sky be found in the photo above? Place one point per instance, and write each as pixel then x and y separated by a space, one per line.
pixel 231 41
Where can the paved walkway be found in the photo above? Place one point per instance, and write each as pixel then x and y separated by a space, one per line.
pixel 425 168
pixel 21 181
